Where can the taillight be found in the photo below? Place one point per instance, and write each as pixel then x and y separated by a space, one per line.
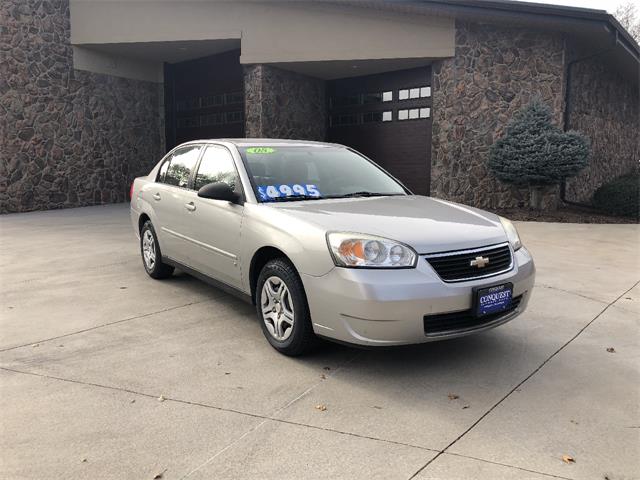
pixel 131 192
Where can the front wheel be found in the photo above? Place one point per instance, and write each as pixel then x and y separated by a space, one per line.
pixel 282 309
pixel 151 255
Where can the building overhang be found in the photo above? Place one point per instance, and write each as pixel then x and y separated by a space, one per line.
pixel 326 38
pixel 594 30
pixel 302 35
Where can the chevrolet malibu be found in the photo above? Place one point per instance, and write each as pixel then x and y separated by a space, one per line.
pixel 325 243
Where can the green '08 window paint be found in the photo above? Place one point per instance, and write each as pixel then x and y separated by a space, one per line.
pixel 261 150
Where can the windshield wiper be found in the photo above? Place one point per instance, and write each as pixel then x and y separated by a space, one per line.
pixel 365 193
pixel 293 198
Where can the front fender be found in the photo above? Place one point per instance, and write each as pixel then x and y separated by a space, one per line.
pixel 302 242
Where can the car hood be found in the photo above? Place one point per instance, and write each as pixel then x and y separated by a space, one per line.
pixel 428 225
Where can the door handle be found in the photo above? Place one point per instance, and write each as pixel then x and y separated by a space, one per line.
pixel 156 196
pixel 190 206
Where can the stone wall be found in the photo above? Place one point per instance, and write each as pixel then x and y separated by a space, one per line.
pixel 72 138
pixel 67 137
pixel 605 107
pixel 284 104
pixel 495 72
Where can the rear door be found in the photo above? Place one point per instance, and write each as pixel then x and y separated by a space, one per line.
pixel 169 196
pixel 213 226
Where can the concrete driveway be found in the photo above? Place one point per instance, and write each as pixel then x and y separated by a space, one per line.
pixel 106 373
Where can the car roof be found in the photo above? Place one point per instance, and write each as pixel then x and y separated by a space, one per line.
pixel 266 142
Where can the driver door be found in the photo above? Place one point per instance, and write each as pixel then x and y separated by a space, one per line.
pixel 213 226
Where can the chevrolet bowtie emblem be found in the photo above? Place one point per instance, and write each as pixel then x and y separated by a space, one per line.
pixel 479 262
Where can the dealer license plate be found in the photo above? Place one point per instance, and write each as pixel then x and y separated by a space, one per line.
pixel 493 299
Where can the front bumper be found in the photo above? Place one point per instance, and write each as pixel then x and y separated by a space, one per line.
pixel 387 307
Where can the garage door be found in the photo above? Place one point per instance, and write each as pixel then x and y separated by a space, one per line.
pixel 204 98
pixel 388 118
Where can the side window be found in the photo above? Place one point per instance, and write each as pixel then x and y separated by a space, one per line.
pixel 182 162
pixel 162 174
pixel 217 166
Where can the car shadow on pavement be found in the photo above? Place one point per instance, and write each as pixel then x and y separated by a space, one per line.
pixel 497 356
pixel 472 348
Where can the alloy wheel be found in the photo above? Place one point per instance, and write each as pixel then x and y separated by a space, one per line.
pixel 149 249
pixel 277 308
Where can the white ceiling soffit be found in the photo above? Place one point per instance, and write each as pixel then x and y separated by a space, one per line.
pixel 171 52
pixel 331 70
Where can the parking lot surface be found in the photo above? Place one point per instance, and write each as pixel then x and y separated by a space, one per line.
pixel 106 373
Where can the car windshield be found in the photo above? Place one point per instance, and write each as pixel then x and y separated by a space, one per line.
pixel 314 172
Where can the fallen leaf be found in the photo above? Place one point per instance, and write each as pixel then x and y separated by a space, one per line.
pixel 466 406
pixel 321 407
pixel 611 350
pixel 84 460
pixel 123 288
pixel 568 459
pixel 133 400
pixel 159 475
pixel 227 373
pixel 161 398
pixel 453 396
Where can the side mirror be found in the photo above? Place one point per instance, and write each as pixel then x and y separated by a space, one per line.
pixel 218 191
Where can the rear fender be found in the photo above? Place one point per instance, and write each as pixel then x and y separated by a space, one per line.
pixel 141 205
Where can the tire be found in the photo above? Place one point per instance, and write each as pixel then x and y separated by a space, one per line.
pixel 153 264
pixel 275 304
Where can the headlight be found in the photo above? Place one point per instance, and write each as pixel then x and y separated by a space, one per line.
pixel 368 251
pixel 512 233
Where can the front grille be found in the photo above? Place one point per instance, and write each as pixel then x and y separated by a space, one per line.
pixel 456 266
pixel 450 322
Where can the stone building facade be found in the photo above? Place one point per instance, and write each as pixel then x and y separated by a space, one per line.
pixel 604 107
pixel 68 138
pixel 495 72
pixel 71 137
pixel 282 104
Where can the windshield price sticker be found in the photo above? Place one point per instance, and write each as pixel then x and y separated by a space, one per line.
pixel 259 150
pixel 270 192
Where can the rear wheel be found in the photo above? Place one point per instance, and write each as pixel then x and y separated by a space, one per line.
pixel 151 255
pixel 282 308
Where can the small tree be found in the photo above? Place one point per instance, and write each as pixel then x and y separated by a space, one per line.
pixel 535 153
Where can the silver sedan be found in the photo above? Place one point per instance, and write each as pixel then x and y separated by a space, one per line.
pixel 327 244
